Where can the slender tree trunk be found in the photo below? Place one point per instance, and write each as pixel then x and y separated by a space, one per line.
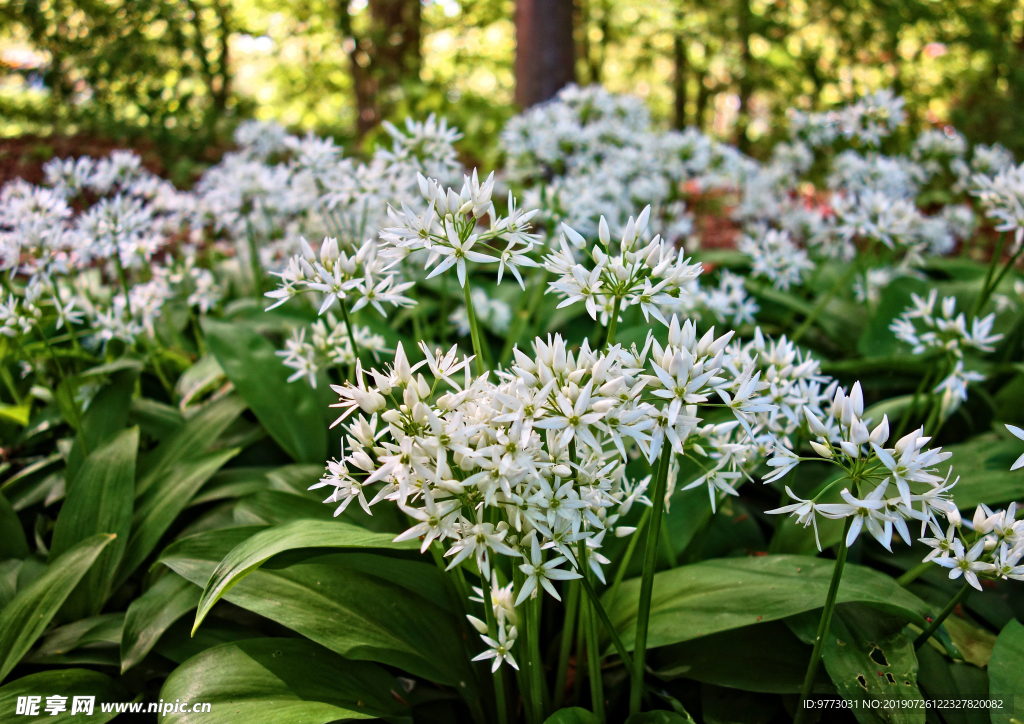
pixel 679 81
pixel 746 80
pixel 383 57
pixel 545 49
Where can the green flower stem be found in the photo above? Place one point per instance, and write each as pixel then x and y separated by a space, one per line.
pixel 826 620
pixel 851 271
pixel 643 614
pixel 911 409
pixel 593 663
pixel 998 280
pixel 541 695
pixel 531 699
pixel 498 676
pixel 123 278
pixel 993 263
pixel 254 262
pixel 620 574
pixel 351 339
pixel 613 323
pixel 197 332
pixel 943 615
pixel 595 602
pixel 474 329
pixel 914 573
pixel 572 604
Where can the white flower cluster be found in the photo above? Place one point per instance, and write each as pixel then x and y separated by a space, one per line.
pixel 588 153
pixel 533 466
pixel 106 243
pixel 990 546
pixel 866 121
pixel 613 278
pixel 883 488
pixel 448 231
pixel 1002 195
pixel 774 256
pixel 329 344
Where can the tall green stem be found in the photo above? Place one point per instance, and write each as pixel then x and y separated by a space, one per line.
pixel 943 615
pixel 914 573
pixel 593 661
pixel 823 625
pixel 351 339
pixel 643 614
pixel 123 278
pixel 982 298
pixel 572 604
pixel 624 565
pixel 823 302
pixel 595 602
pixel 254 262
pixel 499 675
pixel 542 696
pixel 613 323
pixel 999 278
pixel 474 330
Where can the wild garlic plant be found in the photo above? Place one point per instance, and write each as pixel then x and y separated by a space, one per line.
pixel 520 480
pixel 944 334
pixel 611 278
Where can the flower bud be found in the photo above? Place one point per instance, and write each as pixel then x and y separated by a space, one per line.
pixel 821 449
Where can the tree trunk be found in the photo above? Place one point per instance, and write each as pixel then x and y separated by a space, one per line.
pixel 679 81
pixel 383 58
pixel 545 49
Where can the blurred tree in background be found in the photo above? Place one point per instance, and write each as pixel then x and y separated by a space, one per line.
pixel 181 73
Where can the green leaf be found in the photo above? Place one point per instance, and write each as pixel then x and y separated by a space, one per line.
pixel 289 412
pixel 195 436
pixel 152 613
pixel 250 555
pixel 100 502
pixel 1006 674
pixel 18 414
pixel 95 632
pixel 878 340
pixel 983 465
pixel 66 682
pixel 362 606
pixel 727 593
pixel 941 679
pixel 107 414
pixel 12 536
pixel 774 660
pixel 280 681
pixel 26 617
pixel 869 657
pixel 162 503
pixel 154 418
pixel 572 715
pixel 720 705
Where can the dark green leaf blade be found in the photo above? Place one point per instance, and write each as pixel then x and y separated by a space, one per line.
pixel 13 543
pixel 250 555
pixel 152 613
pixel 727 593
pixel 1006 674
pixel 162 503
pixel 101 501
pixel 289 412
pixel 280 681
pixel 69 683
pixel 28 614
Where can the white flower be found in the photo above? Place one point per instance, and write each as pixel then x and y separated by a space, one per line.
pixel 500 650
pixel 1018 433
pixel 966 564
pixel 539 572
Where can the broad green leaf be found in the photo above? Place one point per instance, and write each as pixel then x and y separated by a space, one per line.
pixel 250 555
pixel 766 657
pixel 360 605
pixel 289 412
pixel 94 632
pixel 720 705
pixel 202 377
pixel 271 507
pixel 194 437
pixel 65 682
pixel 177 645
pixel 152 613
pixel 869 657
pixel 107 415
pixel 940 678
pixel 878 340
pixel 9 570
pixel 162 503
pixel 12 536
pixel 100 502
pixel 280 681
pixel 18 414
pixel 233 483
pixel 983 465
pixel 727 593
pixel 27 616
pixel 572 715
pixel 1006 674
pixel 974 644
pixel 156 419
